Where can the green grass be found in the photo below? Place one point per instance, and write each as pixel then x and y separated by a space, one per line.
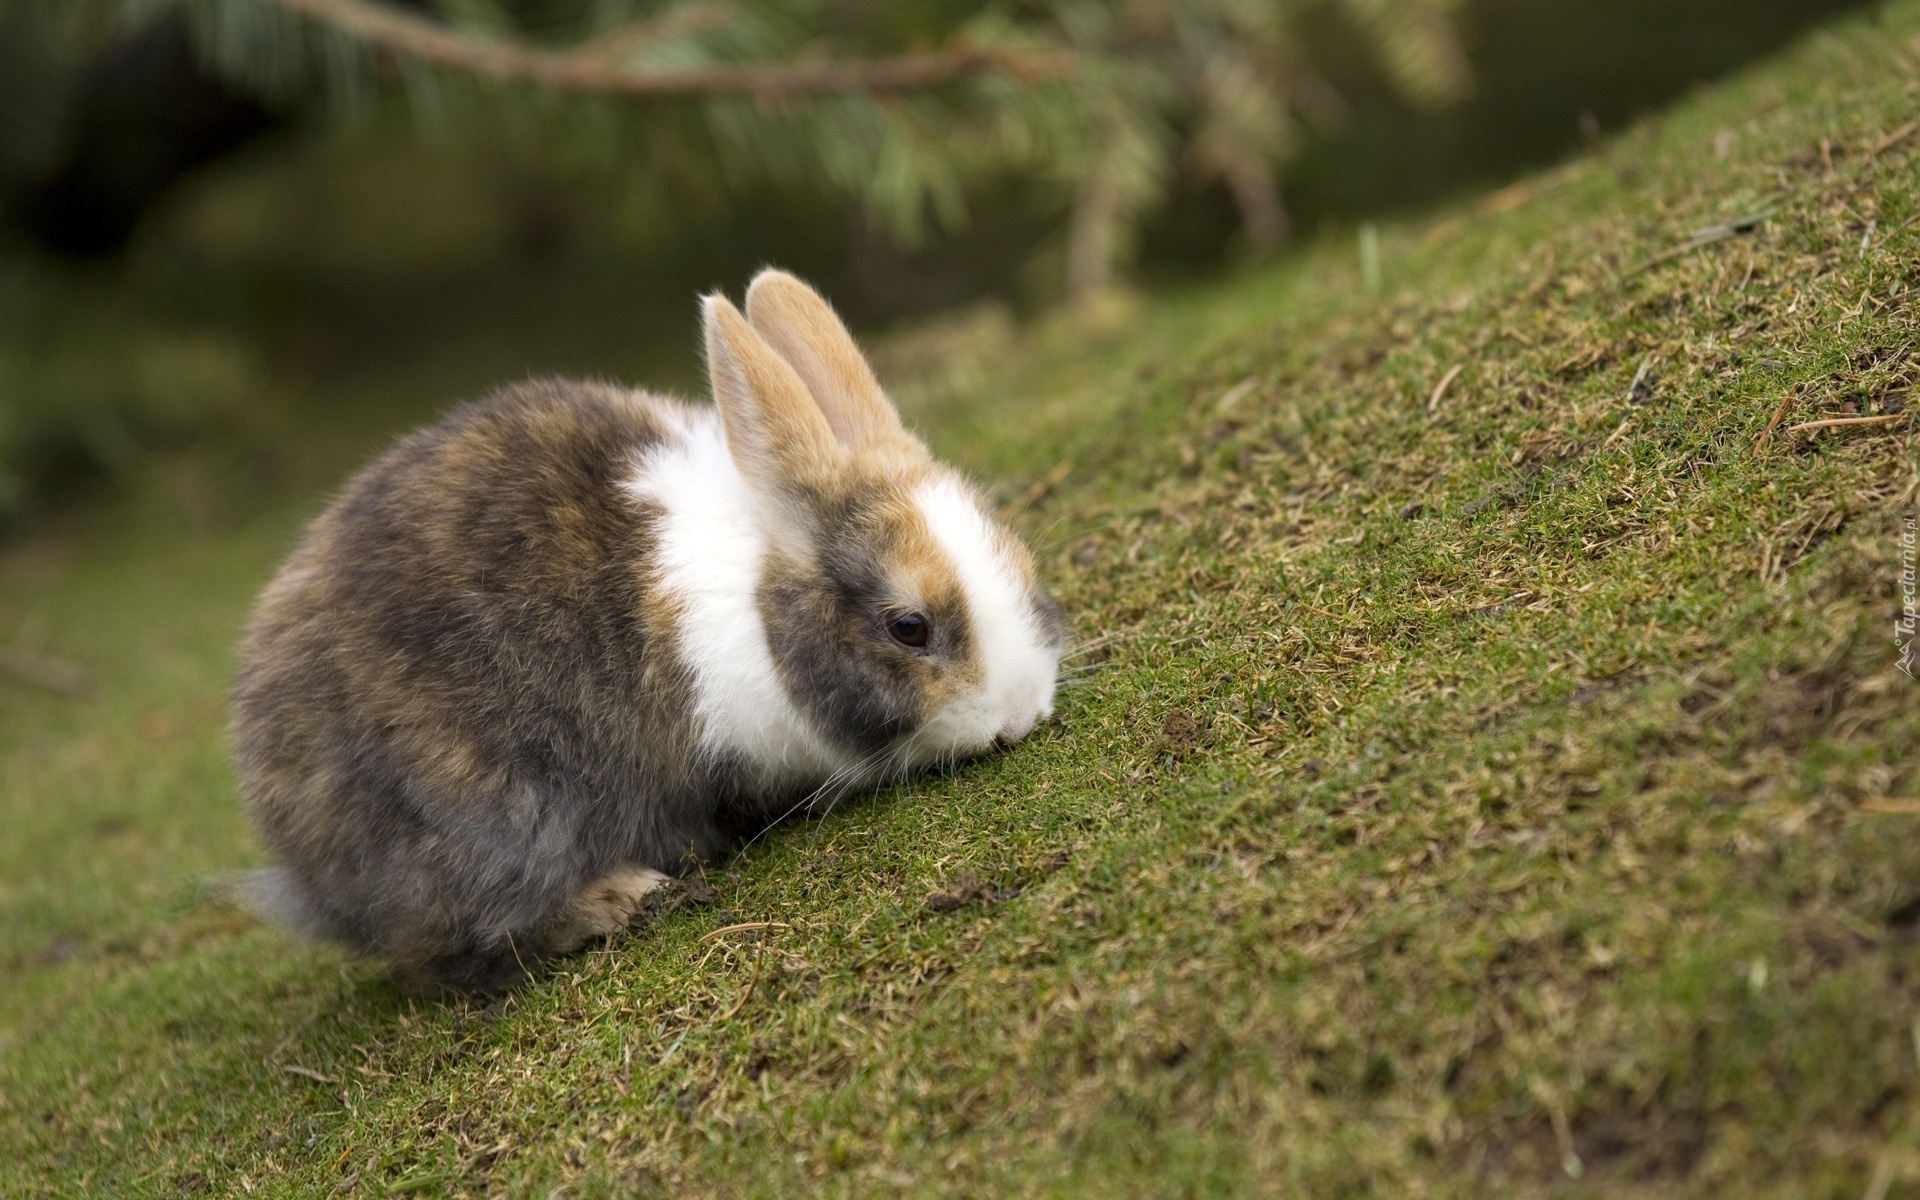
pixel 1510 794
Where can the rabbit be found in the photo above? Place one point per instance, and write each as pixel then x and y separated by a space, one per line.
pixel 540 656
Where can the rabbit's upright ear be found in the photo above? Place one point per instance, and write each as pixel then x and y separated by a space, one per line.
pixel 775 432
pixel 803 328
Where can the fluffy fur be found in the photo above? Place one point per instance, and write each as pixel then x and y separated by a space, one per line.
pixel 540 656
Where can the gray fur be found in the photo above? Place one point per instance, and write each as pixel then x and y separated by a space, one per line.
pixel 452 712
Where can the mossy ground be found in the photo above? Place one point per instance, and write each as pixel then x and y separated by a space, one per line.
pixel 1505 787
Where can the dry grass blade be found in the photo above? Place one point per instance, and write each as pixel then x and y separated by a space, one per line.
pixel 306 1073
pixel 1830 422
pixel 1235 394
pixel 1766 434
pixel 1440 389
pixel 743 927
pixel 1904 806
pixel 1894 139
pixel 1639 377
pixel 1704 237
pixel 753 981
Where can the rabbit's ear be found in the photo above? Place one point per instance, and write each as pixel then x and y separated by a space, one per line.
pixel 775 432
pixel 802 327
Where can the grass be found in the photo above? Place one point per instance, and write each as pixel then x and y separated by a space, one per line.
pixel 1500 789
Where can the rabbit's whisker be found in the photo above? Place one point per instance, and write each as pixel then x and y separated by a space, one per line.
pixel 1044 541
pixel 842 773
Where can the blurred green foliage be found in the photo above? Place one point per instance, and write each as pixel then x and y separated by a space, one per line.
pixel 93 384
pixel 1101 100
pixel 395 197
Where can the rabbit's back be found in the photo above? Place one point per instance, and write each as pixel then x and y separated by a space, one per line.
pixel 454 704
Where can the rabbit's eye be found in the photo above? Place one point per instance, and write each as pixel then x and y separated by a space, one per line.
pixel 909 629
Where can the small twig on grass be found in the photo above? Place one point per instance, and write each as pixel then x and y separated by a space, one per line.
pixel 744 927
pixel 1639 376
pixel 1706 236
pixel 1235 394
pixel 759 956
pixel 1767 433
pixel 1440 389
pixel 1882 1181
pixel 1832 421
pixel 306 1073
pixel 1894 139
pixel 1903 806
pixel 1562 1129
pixel 39 671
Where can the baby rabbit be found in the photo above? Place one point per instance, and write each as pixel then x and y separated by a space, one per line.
pixel 537 653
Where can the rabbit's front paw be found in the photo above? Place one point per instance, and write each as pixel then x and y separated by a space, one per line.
pixel 611 903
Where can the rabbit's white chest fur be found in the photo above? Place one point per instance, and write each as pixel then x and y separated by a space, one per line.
pixel 711 544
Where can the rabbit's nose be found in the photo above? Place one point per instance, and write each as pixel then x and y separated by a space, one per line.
pixel 1014 730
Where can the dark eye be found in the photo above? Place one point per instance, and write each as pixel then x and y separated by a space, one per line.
pixel 909 629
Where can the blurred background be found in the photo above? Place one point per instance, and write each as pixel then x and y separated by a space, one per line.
pixel 241 238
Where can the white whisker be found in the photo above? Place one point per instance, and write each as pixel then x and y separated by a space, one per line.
pixel 844 773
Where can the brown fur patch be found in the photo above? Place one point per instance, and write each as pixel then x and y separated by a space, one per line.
pixel 917 560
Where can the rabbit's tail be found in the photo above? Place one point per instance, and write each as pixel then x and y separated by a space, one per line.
pixel 275 894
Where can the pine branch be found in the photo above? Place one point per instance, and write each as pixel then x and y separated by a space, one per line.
pixel 589 70
pixel 623 43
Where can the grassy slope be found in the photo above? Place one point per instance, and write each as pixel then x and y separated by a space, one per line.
pixel 1556 837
